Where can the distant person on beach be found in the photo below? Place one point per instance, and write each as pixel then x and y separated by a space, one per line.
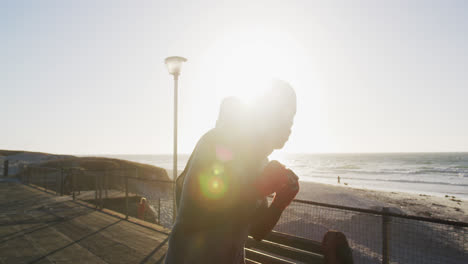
pixel 142 208
pixel 227 179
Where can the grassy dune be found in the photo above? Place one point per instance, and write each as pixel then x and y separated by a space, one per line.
pixel 48 160
pixel 145 171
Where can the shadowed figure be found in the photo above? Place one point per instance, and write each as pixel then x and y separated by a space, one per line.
pixel 227 178
pixel 229 125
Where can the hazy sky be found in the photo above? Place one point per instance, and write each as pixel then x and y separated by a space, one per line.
pixel 87 77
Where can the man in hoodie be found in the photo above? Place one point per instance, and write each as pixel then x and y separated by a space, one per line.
pixel 227 179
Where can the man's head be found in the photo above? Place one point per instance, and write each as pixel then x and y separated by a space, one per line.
pixel 230 113
pixel 276 109
pixel 232 124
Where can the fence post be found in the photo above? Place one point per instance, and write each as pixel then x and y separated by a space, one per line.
pixel 101 204
pixel 385 236
pixel 159 210
pixel 73 184
pixel 136 177
pixel 126 197
pixel 56 184
pixel 106 182
pixel 25 174
pixel 61 181
pixel 80 174
pixel 96 190
pixel 5 168
pixel 44 181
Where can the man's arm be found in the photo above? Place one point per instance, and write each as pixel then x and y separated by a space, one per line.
pixel 267 216
pixel 264 220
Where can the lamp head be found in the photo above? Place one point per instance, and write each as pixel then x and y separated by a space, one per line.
pixel 174 64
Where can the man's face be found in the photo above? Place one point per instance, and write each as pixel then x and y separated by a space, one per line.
pixel 276 111
pixel 280 130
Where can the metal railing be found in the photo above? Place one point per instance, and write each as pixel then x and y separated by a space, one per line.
pixel 380 236
pixel 119 190
pixel 375 236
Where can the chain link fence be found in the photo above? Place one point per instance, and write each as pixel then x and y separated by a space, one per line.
pixel 374 236
pixel 380 236
pixel 120 190
pixel 50 179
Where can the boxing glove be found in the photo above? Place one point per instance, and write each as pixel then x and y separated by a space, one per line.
pixel 273 178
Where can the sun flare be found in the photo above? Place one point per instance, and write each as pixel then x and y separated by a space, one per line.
pixel 248 59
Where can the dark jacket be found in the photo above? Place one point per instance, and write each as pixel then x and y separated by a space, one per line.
pixel 217 205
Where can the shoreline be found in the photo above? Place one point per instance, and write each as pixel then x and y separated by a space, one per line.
pixel 450 208
pixel 348 182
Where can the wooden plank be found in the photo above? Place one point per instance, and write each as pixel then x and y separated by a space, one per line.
pixel 264 258
pixel 295 242
pixel 58 230
pixel 285 251
pixel 249 261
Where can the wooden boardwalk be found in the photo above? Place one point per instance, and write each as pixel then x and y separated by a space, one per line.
pixel 40 227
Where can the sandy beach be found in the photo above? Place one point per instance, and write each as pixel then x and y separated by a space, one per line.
pixel 408 239
pixel 450 207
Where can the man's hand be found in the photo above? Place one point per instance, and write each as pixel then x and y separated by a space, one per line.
pixel 286 194
pixel 272 179
pixel 267 217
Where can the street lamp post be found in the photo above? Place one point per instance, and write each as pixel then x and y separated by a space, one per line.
pixel 174 65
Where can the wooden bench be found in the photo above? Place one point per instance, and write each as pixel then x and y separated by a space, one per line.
pixel 280 248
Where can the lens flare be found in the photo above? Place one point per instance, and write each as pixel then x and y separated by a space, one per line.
pixel 213 182
pixel 223 153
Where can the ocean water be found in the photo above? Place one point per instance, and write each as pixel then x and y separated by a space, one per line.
pixel 424 173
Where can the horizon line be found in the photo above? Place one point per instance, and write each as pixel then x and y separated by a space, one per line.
pixel 293 153
pixel 280 153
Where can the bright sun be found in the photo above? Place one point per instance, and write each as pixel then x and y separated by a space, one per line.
pixel 248 59
pixel 243 61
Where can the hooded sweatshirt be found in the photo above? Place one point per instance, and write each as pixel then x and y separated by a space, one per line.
pixel 217 204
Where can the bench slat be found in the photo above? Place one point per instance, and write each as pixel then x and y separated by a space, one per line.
pixel 264 258
pixel 285 251
pixel 249 261
pixel 295 242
